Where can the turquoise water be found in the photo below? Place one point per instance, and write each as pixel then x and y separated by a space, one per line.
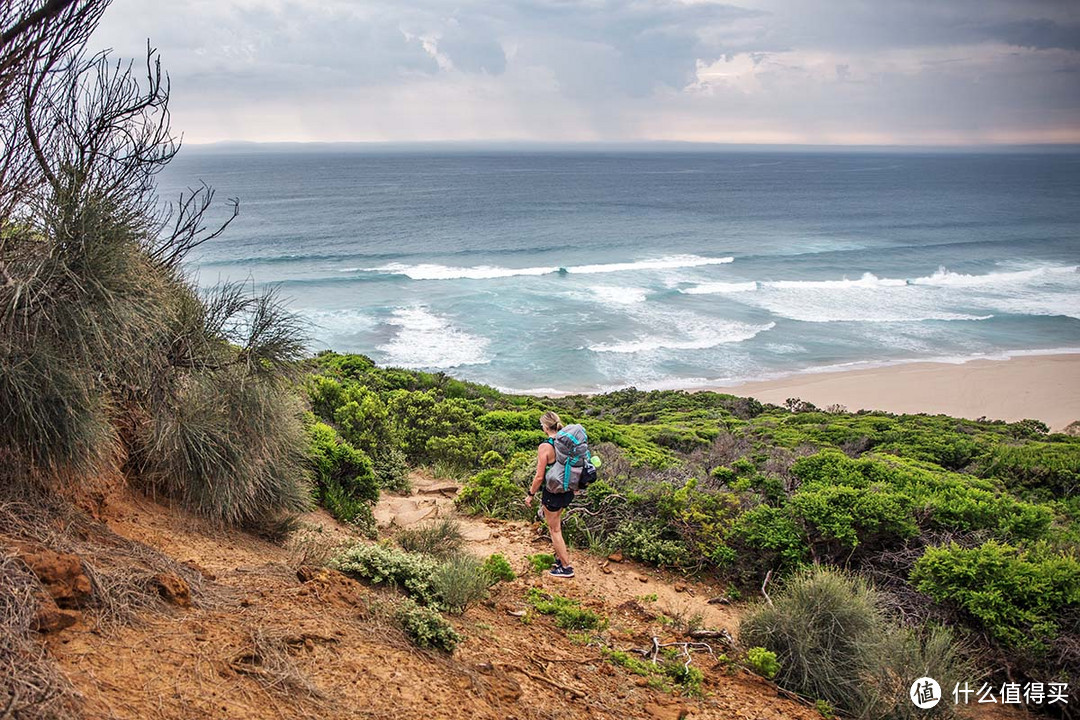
pixel 591 271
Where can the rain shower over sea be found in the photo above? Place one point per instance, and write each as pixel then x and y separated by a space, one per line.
pixel 587 271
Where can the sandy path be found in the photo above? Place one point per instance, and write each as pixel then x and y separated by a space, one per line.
pixel 612 583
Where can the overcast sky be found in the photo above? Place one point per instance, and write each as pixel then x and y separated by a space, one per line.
pixel 922 72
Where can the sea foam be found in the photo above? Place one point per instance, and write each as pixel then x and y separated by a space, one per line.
pixel 487 272
pixel 426 340
pixel 701 337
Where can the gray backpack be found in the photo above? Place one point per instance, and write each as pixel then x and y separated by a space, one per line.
pixel 572 469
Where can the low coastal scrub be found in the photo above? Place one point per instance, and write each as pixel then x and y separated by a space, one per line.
pixel 450 584
pixel 714 484
pixel 498 569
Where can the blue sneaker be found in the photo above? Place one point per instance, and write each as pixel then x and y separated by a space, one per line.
pixel 562 572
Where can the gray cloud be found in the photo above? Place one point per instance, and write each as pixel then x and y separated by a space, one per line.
pixel 895 70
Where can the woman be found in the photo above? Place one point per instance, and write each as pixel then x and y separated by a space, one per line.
pixel 554 503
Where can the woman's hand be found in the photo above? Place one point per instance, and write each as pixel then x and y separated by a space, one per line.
pixel 528 501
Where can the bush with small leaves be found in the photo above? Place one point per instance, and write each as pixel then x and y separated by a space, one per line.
pixel 763 662
pixel 426 627
pixel 492 459
pixel 540 562
pixel 1016 595
pixel 567 612
pixel 344 479
pixel 498 569
pixel 379 563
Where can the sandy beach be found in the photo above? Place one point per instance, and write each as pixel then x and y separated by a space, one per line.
pixel 1044 387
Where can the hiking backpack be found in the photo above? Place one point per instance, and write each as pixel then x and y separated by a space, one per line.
pixel 572 469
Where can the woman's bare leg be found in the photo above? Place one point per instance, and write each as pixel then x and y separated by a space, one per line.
pixel 554 523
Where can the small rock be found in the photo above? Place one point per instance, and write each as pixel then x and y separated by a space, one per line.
pixel 516 613
pixel 50 618
pixel 60 573
pixel 642 578
pixel 447 489
pixel 680 587
pixel 666 712
pixel 721 600
pixel 606 570
pixel 173 589
pixel 405 519
pixel 615 557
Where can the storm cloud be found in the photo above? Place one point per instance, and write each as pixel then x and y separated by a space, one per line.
pixel 773 71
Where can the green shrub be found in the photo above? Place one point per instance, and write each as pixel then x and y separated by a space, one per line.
pixel 392 470
pixel 651 542
pixel 426 627
pixel 439 538
pixel 492 459
pixel 626 660
pixel 763 662
pixel 499 492
pixel 344 478
pixel 1052 466
pixel 347 508
pixel 498 569
pixel 452 584
pixel 460 581
pixel 382 564
pixel 541 562
pixel 687 677
pixel 568 613
pixel 768 537
pixel 433 430
pixel 1015 595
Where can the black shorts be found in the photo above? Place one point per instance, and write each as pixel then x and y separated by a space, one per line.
pixel 556 501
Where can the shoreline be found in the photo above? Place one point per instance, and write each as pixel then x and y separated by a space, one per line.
pixel 1040 387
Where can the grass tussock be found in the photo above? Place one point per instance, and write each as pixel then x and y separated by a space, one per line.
pixel 110 355
pixel 440 538
pixel 460 581
pixel 833 642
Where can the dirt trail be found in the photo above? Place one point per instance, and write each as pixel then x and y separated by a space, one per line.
pixel 596 577
pixel 261 643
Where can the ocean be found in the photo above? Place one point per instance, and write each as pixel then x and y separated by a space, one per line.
pixel 554 272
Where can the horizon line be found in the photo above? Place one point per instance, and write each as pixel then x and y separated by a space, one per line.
pixel 640 145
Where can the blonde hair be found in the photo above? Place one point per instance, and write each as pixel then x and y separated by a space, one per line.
pixel 551 421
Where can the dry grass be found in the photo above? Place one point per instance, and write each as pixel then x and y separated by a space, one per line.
pixel 121 571
pixel 267 658
pixel 31 685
